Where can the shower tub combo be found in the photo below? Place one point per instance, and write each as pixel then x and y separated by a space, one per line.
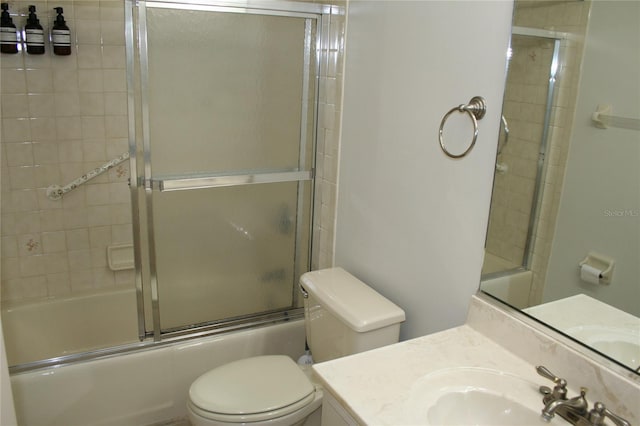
pixel 222 220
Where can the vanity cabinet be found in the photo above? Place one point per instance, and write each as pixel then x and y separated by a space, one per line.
pixel 334 414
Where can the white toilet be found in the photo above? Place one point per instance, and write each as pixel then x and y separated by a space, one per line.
pixel 343 316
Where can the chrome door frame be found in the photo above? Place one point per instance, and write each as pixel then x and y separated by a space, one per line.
pixel 141 173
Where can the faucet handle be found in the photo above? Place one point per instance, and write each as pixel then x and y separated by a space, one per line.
pixel 560 389
pixel 599 412
pixel 544 372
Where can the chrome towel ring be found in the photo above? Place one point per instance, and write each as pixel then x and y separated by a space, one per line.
pixel 476 108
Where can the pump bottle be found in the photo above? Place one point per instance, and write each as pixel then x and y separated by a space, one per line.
pixel 8 35
pixel 34 34
pixel 60 35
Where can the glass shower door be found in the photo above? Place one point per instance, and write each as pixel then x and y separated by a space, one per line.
pixel 228 106
pixel 518 182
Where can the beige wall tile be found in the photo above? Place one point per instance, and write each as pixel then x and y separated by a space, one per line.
pixel 88 31
pixel 39 80
pixel 13 80
pixel 90 80
pixel 69 116
pixel 19 154
pixel 113 33
pixel 65 80
pixel 41 105
pixel 100 236
pixel 58 284
pixel 15 106
pixel 16 130
pixel 92 104
pixel 89 56
pixel 53 242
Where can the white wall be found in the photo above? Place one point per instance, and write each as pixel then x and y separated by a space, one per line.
pixel 412 221
pixel 600 205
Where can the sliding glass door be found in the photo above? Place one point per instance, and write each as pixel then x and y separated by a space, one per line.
pixel 226 126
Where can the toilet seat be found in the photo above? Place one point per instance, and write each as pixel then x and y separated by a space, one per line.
pixel 251 390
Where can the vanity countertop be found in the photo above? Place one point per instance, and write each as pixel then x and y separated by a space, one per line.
pixel 582 311
pixel 374 386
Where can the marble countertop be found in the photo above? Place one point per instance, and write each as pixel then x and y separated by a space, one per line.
pixel 581 310
pixel 374 386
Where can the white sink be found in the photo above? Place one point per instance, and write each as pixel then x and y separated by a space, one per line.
pixel 606 329
pixel 474 396
pixel 619 343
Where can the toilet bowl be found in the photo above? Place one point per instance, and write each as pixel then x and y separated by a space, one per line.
pixel 343 316
pixel 266 390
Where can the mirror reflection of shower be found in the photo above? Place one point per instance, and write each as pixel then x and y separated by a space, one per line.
pixel 521 151
pixel 545 51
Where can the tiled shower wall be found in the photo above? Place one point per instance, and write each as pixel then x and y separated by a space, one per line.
pixel 61 117
pixel 329 119
pixel 525 100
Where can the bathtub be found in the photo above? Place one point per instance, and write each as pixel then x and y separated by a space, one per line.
pixel 54 327
pixel 493 263
pixel 506 281
pixel 143 387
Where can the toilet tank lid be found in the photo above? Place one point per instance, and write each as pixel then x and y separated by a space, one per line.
pixel 358 305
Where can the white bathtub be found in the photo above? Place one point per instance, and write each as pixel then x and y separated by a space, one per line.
pixel 506 280
pixel 53 327
pixel 512 287
pixel 493 263
pixel 137 388
pixel 143 387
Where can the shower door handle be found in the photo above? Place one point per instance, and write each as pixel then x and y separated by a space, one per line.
pixel 200 182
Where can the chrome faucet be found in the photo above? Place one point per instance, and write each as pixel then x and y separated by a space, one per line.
pixel 574 407
pixel 599 412
pixel 574 410
pixel 560 389
pixel 555 400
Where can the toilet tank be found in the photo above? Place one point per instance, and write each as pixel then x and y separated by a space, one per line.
pixel 344 316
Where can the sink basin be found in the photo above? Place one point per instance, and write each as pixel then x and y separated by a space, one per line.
pixel 474 396
pixel 619 343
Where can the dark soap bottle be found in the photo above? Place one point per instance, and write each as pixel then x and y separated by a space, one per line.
pixel 60 35
pixel 8 34
pixel 34 34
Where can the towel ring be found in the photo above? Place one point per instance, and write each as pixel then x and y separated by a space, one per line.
pixel 476 108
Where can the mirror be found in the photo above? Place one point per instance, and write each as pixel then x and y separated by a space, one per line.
pixel 563 243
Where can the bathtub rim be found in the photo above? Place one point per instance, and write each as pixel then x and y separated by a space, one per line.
pixel 500 274
pixel 296 314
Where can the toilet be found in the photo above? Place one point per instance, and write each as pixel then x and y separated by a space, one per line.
pixel 343 316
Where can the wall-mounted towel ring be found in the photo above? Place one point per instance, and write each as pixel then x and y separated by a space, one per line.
pixel 476 108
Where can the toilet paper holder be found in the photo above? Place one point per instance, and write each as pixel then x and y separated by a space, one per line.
pixel 600 262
